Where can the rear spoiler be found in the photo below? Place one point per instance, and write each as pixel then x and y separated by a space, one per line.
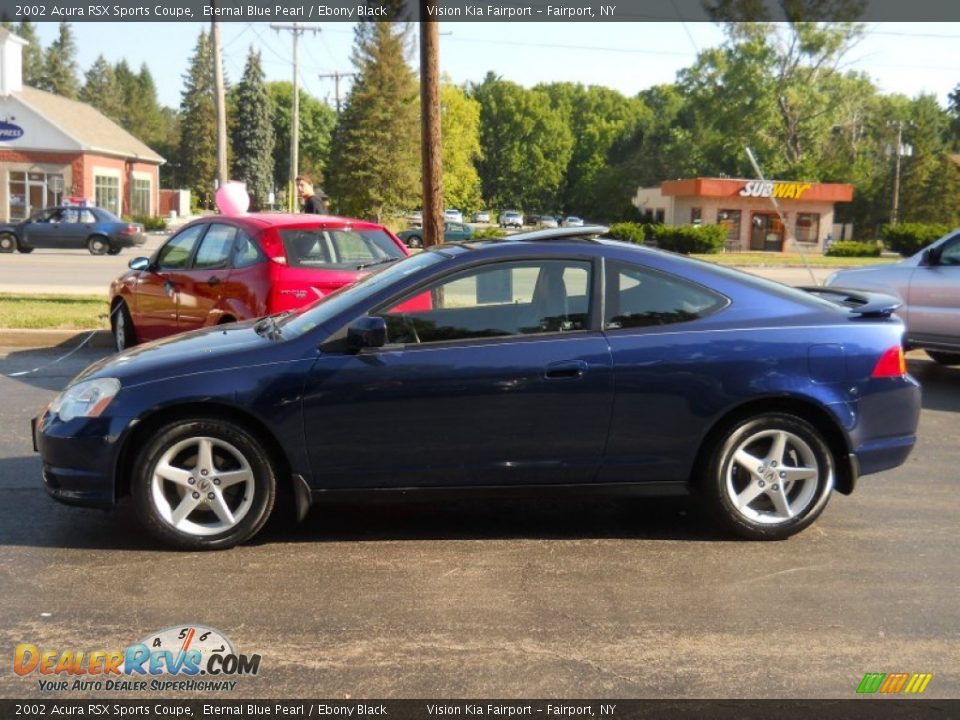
pixel 862 303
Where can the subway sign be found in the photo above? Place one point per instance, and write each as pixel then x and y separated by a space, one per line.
pixel 765 189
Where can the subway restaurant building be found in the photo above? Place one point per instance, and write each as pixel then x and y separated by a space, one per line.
pixel 746 208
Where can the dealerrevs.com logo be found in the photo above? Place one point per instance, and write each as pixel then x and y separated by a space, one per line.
pixel 183 657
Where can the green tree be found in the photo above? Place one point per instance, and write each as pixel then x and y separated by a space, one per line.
pixel 100 89
pixel 375 164
pixel 60 65
pixel 527 146
pixel 316 129
pixel 928 179
pixel 599 119
pixel 252 133
pixel 198 124
pixel 460 130
pixel 33 67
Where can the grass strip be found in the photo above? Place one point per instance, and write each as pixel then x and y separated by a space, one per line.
pixel 53 312
pixel 792 259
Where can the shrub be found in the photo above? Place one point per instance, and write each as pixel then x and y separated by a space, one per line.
pixel 688 239
pixel 910 238
pixel 490 232
pixel 150 222
pixel 631 232
pixel 851 248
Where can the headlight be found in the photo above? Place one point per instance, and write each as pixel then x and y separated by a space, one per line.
pixel 85 399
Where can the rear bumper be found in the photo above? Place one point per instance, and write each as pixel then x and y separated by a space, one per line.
pixel 127 241
pixel 887 429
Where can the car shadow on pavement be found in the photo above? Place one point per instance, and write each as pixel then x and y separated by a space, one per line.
pixel 941 384
pixel 476 515
pixel 50 368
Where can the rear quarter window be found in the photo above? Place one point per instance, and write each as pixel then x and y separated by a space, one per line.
pixel 343 249
pixel 638 297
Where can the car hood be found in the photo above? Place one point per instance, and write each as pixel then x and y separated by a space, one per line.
pixel 205 350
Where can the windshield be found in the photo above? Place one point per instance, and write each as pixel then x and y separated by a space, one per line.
pixel 335 303
pixel 345 249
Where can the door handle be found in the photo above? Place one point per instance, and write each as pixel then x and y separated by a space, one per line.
pixel 214 280
pixel 566 370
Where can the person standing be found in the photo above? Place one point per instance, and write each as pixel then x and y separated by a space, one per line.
pixel 312 201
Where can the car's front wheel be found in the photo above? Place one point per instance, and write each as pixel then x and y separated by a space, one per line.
pixel 124 334
pixel 203 484
pixel 114 250
pixel 8 243
pixel 770 476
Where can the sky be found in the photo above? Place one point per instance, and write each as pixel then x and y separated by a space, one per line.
pixel 907 58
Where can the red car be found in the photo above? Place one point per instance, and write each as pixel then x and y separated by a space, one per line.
pixel 222 269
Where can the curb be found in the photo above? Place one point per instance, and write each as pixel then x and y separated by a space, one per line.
pixel 65 339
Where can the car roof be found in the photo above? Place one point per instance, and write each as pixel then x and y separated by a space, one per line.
pixel 267 220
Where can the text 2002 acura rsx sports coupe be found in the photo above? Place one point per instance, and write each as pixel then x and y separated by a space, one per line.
pixel 579 361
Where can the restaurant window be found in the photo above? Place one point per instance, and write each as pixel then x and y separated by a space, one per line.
pixel 660 216
pixel 107 193
pixel 808 227
pixel 140 196
pixel 730 219
pixel 696 216
pixel 29 192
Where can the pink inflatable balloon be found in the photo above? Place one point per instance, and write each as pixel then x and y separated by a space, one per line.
pixel 232 198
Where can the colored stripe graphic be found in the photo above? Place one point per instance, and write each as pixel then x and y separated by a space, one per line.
pixel 894 683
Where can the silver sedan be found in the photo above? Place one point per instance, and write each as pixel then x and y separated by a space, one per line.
pixel 929 285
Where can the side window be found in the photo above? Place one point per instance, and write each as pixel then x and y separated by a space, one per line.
pixel 215 247
pixel 245 251
pixel 501 300
pixel 70 215
pixel 950 255
pixel 86 216
pixel 176 253
pixel 637 297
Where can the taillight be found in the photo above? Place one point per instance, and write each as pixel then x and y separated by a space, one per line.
pixel 891 364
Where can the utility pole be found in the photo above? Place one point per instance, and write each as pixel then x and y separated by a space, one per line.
pixel 221 102
pixel 336 75
pixel 901 150
pixel 296 30
pixel 430 139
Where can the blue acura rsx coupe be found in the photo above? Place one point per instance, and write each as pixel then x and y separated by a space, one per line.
pixel 580 361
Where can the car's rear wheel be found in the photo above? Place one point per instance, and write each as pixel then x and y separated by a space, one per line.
pixel 124 334
pixel 97 245
pixel 944 358
pixel 770 476
pixel 8 243
pixel 203 484
pixel 24 249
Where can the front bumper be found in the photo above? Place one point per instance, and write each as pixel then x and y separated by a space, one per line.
pixel 79 458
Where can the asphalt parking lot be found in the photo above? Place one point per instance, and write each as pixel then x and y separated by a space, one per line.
pixel 519 596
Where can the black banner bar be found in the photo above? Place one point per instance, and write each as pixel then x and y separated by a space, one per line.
pixel 858 709
pixel 325 11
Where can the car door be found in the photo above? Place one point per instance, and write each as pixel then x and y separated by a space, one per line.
pixel 203 282
pixel 41 230
pixel 933 314
pixel 157 289
pixel 69 232
pixel 474 389
pixel 663 368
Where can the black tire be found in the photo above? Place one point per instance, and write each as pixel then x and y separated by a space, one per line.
pixel 114 250
pixel 944 358
pixel 414 241
pixel 185 507
pixel 24 249
pixel 788 488
pixel 97 245
pixel 121 324
pixel 8 243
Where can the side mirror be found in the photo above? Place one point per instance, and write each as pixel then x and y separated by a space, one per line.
pixel 931 257
pixel 367 332
pixel 139 263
